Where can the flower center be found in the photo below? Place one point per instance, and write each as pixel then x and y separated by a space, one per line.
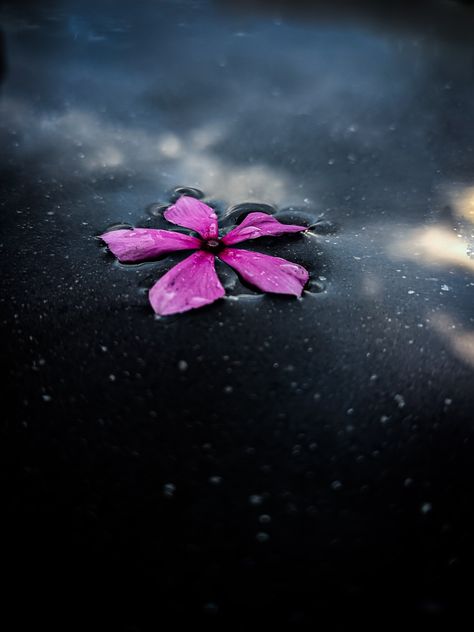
pixel 213 245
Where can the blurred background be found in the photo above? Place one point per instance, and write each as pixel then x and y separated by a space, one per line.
pixel 263 461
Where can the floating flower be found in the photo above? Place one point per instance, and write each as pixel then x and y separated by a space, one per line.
pixel 194 282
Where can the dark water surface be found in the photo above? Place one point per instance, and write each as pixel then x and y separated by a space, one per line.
pixel 264 460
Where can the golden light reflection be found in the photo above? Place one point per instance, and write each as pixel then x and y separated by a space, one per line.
pixel 460 341
pixel 433 245
pixel 463 203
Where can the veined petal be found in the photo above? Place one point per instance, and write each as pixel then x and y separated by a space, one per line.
pixel 141 244
pixel 189 284
pixel 270 274
pixel 193 214
pixel 259 225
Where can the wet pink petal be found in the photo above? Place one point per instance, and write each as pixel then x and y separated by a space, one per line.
pixel 190 284
pixel 193 214
pixel 259 225
pixel 146 243
pixel 270 274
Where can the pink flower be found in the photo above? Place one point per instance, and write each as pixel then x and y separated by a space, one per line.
pixel 194 282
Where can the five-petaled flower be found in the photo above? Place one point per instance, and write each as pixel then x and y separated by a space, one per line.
pixel 194 282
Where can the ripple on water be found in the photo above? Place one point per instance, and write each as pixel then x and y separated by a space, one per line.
pixel 237 213
pixel 189 191
pixel 324 227
pixel 315 286
pixel 156 209
pixel 118 226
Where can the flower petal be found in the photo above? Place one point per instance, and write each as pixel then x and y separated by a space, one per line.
pixel 193 214
pixel 270 274
pixel 140 244
pixel 189 284
pixel 259 225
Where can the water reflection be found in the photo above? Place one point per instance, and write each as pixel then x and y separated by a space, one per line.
pixel 433 245
pixel 85 143
pixel 463 202
pixel 459 339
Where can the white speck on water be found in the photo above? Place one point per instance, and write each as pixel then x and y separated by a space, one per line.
pixel 400 400
pixel 183 365
pixel 384 419
pixel 112 377
pixel 211 608
pixel 46 398
pixel 411 291
pixel 445 287
pixel 264 519
pixel 262 536
pixel 255 499
pixel 408 482
pixel 350 411
pixel 228 389
pixel 448 401
pixel 336 485
pixel 169 490
pixel 426 508
pixel 215 480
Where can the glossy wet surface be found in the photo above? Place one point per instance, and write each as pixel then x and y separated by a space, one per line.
pixel 264 459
